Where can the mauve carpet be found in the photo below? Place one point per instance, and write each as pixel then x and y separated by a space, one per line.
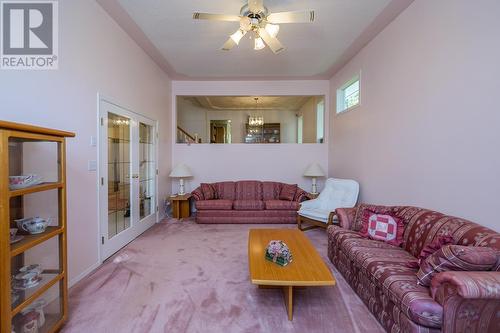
pixel 188 277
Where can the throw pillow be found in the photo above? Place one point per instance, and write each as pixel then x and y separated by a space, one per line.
pixel 457 258
pixel 430 249
pixel 288 192
pixel 382 227
pixel 434 246
pixel 208 191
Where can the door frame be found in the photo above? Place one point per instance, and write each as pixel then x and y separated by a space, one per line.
pixel 102 175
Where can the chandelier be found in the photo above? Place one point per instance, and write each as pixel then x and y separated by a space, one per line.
pixel 255 121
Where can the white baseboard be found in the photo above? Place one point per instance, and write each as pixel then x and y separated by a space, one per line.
pixel 80 276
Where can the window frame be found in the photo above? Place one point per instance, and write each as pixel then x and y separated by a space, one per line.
pixel 320 121
pixel 340 95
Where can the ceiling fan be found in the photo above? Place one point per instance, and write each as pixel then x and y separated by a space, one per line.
pixel 255 18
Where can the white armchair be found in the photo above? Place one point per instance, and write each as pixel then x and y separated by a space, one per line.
pixel 319 212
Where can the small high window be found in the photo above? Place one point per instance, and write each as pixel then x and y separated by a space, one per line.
pixel 348 95
pixel 320 121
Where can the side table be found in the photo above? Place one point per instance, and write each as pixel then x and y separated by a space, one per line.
pixel 180 206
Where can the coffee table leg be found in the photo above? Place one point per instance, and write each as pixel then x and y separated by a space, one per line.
pixel 288 293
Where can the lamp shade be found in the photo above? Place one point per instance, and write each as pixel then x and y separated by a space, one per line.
pixel 314 170
pixel 180 171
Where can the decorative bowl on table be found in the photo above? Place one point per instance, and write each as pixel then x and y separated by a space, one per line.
pixel 278 252
pixel 20 182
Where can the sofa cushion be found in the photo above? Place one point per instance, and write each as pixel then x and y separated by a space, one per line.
pixel 218 204
pixel 384 265
pixel 248 190
pixel 457 258
pixel 288 192
pixel 208 191
pixel 281 205
pixel 271 190
pixel 382 227
pixel 248 204
pixel 225 190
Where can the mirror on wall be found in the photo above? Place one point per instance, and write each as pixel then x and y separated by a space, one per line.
pixel 250 119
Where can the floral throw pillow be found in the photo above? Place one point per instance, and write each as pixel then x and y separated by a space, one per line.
pixel 208 191
pixel 383 227
pixel 457 258
pixel 288 192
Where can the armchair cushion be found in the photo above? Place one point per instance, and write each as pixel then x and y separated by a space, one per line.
pixel 288 192
pixel 281 205
pixel 315 214
pixel 457 258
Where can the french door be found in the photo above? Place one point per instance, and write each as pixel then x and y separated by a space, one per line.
pixel 128 176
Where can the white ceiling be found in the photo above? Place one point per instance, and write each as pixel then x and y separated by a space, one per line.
pixel 192 47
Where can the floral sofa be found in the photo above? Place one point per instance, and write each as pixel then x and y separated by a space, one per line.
pixel 247 201
pixel 380 273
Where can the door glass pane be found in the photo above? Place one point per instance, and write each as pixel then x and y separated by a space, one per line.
pixel 147 170
pixel 118 174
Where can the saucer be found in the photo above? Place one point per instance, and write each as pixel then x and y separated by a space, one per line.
pixel 20 286
pixel 16 239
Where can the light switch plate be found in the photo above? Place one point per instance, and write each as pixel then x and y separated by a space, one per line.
pixel 93 141
pixel 92 165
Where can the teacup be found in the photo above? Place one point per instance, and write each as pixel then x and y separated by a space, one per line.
pixel 12 232
pixel 27 279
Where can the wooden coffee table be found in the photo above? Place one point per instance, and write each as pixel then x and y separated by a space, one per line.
pixel 306 270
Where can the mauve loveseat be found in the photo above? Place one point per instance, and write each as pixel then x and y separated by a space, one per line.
pixel 456 301
pixel 247 201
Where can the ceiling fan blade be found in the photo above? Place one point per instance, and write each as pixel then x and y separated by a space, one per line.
pixel 291 17
pixel 256 6
pixel 216 17
pixel 273 43
pixel 228 45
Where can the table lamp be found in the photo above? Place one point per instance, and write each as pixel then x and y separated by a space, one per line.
pixel 314 170
pixel 181 171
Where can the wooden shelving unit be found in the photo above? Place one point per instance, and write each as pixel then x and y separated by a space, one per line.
pixel 14 204
pixel 267 133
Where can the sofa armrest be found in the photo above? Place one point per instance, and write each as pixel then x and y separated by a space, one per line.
pixel 468 285
pixel 197 194
pixel 470 300
pixel 346 217
pixel 301 195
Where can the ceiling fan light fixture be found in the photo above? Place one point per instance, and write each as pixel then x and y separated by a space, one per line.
pixel 259 44
pixel 272 29
pixel 237 36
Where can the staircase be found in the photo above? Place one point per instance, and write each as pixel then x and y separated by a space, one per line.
pixel 184 137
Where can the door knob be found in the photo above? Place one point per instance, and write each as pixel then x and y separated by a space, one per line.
pixel 135 175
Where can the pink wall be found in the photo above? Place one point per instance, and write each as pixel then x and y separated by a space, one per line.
pixel 96 56
pixel 283 162
pixel 427 131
